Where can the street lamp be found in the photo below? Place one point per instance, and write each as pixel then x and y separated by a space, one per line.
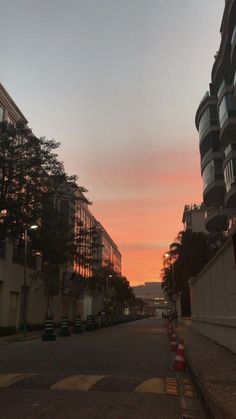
pixel 106 292
pixel 32 227
pixel 170 257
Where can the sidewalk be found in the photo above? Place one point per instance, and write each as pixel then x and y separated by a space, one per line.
pixel 214 372
pixel 18 337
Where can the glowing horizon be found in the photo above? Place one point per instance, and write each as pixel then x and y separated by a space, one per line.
pixel 118 84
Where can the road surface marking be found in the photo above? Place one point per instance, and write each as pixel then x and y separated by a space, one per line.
pixel 171 387
pixel 155 385
pixel 7 380
pixel 78 382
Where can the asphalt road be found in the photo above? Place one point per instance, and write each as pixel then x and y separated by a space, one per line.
pixel 118 372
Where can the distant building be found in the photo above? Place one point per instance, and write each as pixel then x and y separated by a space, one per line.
pixel 194 218
pixel 152 294
pixel 106 250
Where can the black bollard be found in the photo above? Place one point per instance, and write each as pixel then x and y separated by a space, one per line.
pixel 64 327
pixel 78 328
pixel 49 330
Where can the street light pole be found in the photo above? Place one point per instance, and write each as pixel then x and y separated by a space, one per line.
pixel 106 292
pixel 25 285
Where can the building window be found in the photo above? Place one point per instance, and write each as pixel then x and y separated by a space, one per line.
pixel 223 112
pixel 212 172
pixel 210 142
pixel 233 36
pixel 208 174
pixel 1 114
pixel 227 108
pixel 229 149
pixel 221 88
pixel 204 122
pixel 229 174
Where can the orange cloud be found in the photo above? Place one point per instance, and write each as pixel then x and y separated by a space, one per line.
pixel 141 204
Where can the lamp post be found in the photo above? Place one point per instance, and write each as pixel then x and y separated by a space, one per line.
pixel 170 257
pixel 106 292
pixel 32 227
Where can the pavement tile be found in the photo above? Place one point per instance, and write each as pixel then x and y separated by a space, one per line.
pixel 213 368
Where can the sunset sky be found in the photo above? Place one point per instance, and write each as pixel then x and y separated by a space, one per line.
pixel 118 82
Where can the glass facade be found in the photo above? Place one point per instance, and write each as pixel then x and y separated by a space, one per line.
pixel 227 108
pixel 208 174
pixel 233 36
pixel 221 88
pixel 204 122
pixel 210 142
pixel 212 172
pixel 1 114
pixel 229 174
pixel 229 149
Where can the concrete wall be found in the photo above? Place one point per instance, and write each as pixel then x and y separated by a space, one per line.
pixel 12 297
pixel 213 298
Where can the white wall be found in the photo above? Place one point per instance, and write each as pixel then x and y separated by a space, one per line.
pixel 213 298
pixel 11 297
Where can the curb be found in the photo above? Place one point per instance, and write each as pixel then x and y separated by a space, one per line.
pixel 210 408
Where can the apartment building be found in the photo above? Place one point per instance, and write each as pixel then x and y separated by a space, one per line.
pixel 216 123
pixel 194 218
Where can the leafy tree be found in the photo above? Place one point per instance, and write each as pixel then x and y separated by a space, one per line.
pixel 26 163
pixel 115 286
pixel 188 255
pixel 35 188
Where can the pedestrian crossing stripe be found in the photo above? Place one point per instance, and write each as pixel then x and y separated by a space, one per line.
pixel 6 380
pixel 85 382
pixel 155 385
pixel 78 382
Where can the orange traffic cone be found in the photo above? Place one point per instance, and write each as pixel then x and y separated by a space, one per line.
pixel 169 328
pixel 173 343
pixel 179 364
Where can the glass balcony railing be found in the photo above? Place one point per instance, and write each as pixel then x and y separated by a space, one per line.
pixel 233 38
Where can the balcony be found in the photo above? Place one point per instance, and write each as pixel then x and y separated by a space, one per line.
pixel 211 155
pixel 230 197
pixel 227 117
pixel 216 219
pixel 213 193
pixel 233 47
pixel 228 130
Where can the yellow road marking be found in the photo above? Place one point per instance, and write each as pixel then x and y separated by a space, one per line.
pixel 155 385
pixel 189 394
pixel 172 392
pixel 186 381
pixel 7 380
pixel 187 387
pixel 78 382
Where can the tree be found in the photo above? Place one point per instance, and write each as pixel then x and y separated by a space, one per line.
pixel 188 255
pixel 34 188
pixel 116 288
pixel 26 163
